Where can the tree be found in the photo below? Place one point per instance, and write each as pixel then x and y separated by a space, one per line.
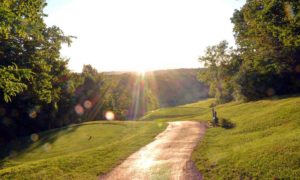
pixel 268 39
pixel 267 33
pixel 32 71
pixel 266 60
pixel 11 81
pixel 222 63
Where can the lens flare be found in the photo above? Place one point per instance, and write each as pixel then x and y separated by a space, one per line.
pixel 141 72
pixel 32 114
pixel 34 137
pixel 87 104
pixel 109 115
pixel 47 147
pixel 79 109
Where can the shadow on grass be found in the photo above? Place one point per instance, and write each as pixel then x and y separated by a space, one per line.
pixel 274 98
pixel 226 123
pixel 102 122
pixel 169 116
pixel 22 145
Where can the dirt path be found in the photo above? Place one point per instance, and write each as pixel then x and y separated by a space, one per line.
pixel 167 157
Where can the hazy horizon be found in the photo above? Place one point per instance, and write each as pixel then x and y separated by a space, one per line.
pixel 141 35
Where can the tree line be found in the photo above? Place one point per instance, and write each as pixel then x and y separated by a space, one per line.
pixel 266 59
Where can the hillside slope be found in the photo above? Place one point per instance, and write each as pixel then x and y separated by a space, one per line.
pixel 81 151
pixel 263 144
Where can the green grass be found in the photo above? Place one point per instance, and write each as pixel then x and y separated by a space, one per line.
pixel 185 112
pixel 264 144
pixel 67 153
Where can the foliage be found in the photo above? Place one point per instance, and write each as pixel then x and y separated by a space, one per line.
pixel 29 44
pixel 176 86
pixel 222 64
pixel 267 33
pixel 11 81
pixel 266 61
pixel 130 95
pixel 32 71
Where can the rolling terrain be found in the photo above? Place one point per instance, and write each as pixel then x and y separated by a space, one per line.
pixel 261 142
pixel 258 139
pixel 81 151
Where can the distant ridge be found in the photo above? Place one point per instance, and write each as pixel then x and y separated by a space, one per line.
pixel 147 72
pixel 172 86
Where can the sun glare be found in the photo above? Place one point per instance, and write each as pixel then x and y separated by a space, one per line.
pixel 141 70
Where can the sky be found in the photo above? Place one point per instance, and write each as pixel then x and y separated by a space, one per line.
pixel 141 35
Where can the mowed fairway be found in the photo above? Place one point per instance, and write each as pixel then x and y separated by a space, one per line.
pixel 264 144
pixel 76 152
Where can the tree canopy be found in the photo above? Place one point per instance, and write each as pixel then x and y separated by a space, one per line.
pixel 267 58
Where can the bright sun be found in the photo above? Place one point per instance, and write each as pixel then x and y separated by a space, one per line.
pixel 141 70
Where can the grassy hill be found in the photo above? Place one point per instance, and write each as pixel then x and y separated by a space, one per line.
pixel 75 152
pixel 264 143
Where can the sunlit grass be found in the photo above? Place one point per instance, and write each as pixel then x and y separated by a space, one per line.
pixel 185 112
pixel 77 152
pixel 264 143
